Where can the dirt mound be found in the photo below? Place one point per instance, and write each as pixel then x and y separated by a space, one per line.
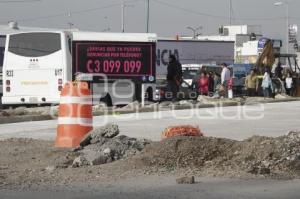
pixel 256 155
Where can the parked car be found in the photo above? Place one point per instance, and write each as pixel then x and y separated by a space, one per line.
pixel 185 91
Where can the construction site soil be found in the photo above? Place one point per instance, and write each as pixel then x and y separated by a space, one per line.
pixel 27 163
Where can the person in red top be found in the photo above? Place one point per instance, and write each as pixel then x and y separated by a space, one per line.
pixel 203 84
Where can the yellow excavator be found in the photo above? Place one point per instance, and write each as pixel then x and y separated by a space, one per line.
pixel 268 59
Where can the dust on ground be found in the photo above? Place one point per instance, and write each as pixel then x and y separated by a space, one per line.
pixel 27 163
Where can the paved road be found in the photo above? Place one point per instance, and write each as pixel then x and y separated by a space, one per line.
pixel 229 122
pixel 165 187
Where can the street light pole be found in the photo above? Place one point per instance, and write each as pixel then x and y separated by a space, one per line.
pixel 123 17
pixel 286 3
pixel 123 6
pixel 194 30
pixel 148 15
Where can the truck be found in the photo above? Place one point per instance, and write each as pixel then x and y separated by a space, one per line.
pixel 193 51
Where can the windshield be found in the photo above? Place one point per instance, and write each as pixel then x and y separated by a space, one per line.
pixel 34 44
pixel 2 48
pixel 189 74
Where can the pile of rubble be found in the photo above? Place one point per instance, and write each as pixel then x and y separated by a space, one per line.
pixel 103 145
pixel 257 155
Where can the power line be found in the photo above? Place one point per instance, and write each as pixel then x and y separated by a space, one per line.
pixel 187 10
pixel 20 1
pixel 72 12
pixel 190 11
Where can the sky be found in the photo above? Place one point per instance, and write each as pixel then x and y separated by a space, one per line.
pixel 167 17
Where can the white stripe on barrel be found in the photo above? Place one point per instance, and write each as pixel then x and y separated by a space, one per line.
pixel 76 100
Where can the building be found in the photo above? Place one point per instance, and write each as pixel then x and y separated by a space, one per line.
pixel 239 34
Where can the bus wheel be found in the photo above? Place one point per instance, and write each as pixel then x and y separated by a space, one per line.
pixel 107 100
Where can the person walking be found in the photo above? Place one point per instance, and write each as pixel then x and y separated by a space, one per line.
pixel 174 77
pixel 278 71
pixel 289 84
pixel 211 84
pixel 225 77
pixel 203 84
pixel 267 84
pixel 251 83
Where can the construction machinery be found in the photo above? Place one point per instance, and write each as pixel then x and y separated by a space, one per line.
pixel 268 60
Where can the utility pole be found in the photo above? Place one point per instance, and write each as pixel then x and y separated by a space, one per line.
pixel 123 17
pixel 123 6
pixel 148 15
pixel 230 12
pixel 286 4
pixel 288 27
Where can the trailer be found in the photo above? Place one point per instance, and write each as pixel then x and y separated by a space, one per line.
pixel 193 52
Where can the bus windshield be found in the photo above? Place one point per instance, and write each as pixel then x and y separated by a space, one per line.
pixel 34 44
pixel 2 48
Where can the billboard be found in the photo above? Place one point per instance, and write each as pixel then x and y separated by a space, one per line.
pixel 193 52
pixel 293 32
pixel 126 60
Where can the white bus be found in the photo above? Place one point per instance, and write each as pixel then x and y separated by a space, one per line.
pixel 37 64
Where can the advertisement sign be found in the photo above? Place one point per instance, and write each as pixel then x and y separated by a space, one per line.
pixel 262 42
pixel 293 31
pixel 126 60
pixel 193 52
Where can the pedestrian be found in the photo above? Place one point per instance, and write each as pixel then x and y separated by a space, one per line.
pixel 230 88
pixel 225 77
pixel 267 84
pixel 211 83
pixel 174 77
pixel 289 84
pixel 217 81
pixel 203 84
pixel 278 71
pixel 251 83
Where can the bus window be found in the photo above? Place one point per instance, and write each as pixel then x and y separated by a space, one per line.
pixel 2 48
pixel 34 44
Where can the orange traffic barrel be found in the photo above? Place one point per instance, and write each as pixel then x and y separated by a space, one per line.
pixel 75 116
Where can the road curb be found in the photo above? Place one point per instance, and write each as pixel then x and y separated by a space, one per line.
pixel 121 111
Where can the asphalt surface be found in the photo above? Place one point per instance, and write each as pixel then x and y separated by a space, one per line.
pixel 166 188
pixel 228 122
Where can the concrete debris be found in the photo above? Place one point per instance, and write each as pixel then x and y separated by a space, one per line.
pixel 107 131
pixel 100 135
pixel 79 162
pixel 282 96
pixel 102 145
pixel 186 180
